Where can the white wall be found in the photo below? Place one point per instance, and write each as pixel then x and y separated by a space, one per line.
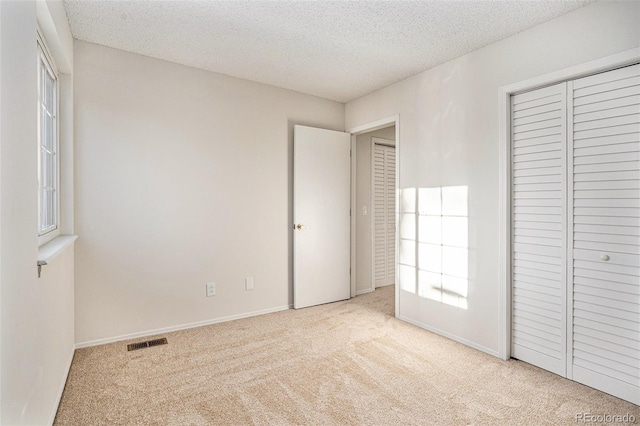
pixel 36 314
pixel 363 198
pixel 1 180
pixel 449 136
pixel 183 177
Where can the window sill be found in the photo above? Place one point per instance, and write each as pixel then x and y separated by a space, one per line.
pixel 49 251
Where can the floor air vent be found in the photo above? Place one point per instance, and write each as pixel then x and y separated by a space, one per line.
pixel 147 344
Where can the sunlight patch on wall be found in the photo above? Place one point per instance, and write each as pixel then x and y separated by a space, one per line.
pixel 434 243
pixel 407 240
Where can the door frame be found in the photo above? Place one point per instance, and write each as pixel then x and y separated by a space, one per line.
pixel 393 120
pixel 607 63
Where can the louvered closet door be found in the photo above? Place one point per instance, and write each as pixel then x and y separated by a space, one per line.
pixel 384 173
pixel 606 231
pixel 379 217
pixel 538 223
pixel 390 177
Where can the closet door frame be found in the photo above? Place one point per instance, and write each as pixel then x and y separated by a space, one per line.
pixel 625 58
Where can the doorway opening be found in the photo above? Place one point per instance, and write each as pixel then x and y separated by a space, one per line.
pixel 374 211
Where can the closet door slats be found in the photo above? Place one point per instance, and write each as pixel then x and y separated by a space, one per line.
pixel 390 173
pixel 575 230
pixel 605 343
pixel 379 213
pixel 384 190
pixel 538 242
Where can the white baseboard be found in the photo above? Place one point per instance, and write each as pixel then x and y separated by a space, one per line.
pixel 365 291
pixel 180 327
pixel 52 417
pixel 452 337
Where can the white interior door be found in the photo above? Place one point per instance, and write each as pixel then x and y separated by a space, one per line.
pixel 576 230
pixel 538 329
pixel 605 129
pixel 321 213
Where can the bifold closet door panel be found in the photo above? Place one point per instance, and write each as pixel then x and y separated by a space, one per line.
pixel 379 217
pixel 538 185
pixel 605 127
pixel 384 203
pixel 390 172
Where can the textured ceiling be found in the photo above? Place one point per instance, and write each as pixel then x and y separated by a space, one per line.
pixel 336 50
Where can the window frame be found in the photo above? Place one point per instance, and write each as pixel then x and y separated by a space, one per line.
pixel 45 63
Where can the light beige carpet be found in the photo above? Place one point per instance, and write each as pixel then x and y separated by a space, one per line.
pixel 344 363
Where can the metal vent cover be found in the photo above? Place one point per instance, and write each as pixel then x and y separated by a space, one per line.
pixel 146 344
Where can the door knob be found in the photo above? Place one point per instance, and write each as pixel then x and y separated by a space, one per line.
pixel 300 227
pixel 605 257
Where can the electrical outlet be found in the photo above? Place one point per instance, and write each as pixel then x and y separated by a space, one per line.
pixel 248 283
pixel 211 289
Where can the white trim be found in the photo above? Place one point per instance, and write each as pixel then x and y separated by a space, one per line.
pixel 618 60
pixel 376 125
pixel 628 57
pixel 353 213
pixel 1 197
pixel 54 411
pixel 65 154
pixel 49 251
pixel 450 336
pixel 397 279
pixel 54 27
pixel 365 291
pixel 370 127
pixel 504 221
pixel 46 51
pixel 372 216
pixel 180 327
